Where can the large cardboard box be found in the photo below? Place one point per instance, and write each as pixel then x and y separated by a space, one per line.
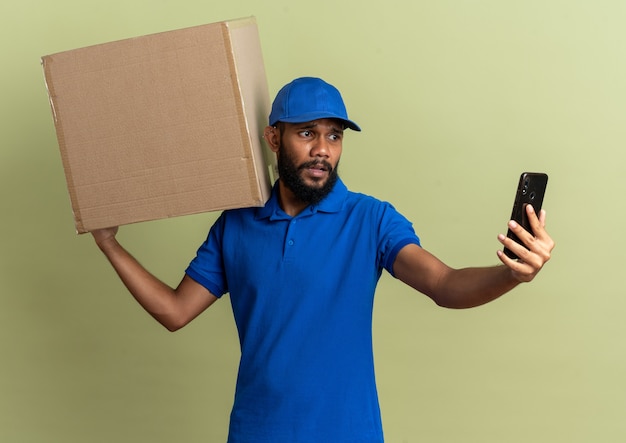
pixel 162 125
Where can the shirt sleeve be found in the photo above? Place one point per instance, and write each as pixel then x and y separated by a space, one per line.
pixel 395 232
pixel 207 268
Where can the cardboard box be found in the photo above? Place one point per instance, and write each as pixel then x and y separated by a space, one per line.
pixel 162 125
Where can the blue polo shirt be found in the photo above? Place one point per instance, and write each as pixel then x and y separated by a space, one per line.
pixel 302 292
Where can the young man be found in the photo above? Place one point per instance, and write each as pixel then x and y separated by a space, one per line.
pixel 301 273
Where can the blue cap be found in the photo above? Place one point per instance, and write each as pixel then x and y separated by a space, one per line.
pixel 306 99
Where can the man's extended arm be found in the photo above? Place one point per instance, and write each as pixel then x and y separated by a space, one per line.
pixel 469 287
pixel 173 308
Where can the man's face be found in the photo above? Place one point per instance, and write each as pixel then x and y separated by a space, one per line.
pixel 308 156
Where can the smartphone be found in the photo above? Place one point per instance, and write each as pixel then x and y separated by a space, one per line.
pixel 530 191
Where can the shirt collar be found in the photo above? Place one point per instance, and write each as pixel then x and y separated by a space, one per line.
pixel 333 202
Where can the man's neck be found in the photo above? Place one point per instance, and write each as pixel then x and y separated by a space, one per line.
pixel 288 202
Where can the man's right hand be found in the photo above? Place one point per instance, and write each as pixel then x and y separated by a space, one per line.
pixel 102 236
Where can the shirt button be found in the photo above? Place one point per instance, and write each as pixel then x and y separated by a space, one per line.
pixel 290 242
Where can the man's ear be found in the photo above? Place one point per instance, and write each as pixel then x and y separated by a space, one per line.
pixel 272 137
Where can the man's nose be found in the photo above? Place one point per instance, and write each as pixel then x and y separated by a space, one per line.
pixel 320 148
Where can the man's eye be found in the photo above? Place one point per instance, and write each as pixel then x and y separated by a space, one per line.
pixel 306 133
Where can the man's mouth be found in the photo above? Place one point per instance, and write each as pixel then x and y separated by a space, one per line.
pixel 316 169
pixel 319 166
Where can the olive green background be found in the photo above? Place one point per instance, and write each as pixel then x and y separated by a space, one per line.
pixel 456 98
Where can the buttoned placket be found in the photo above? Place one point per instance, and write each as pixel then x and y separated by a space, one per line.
pixel 289 247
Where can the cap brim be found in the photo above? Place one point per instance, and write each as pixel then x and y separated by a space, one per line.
pixel 316 116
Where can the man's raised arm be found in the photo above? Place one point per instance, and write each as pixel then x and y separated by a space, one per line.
pixel 173 308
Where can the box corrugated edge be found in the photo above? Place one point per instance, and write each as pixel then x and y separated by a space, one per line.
pixel 45 62
pixel 253 95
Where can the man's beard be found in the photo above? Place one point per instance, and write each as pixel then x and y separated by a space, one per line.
pixel 290 175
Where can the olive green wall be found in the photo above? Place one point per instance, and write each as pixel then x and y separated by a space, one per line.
pixel 456 98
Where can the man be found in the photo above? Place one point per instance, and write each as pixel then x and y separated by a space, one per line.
pixel 301 273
